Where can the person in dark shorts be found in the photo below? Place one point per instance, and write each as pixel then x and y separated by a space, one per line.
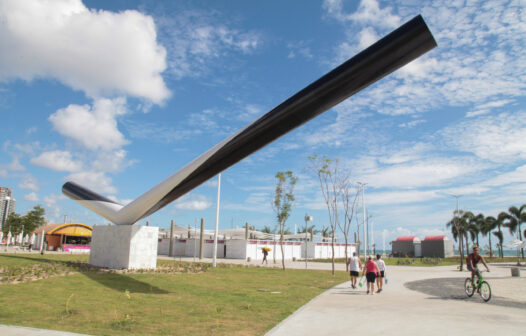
pixel 371 270
pixel 381 275
pixel 472 261
pixel 355 266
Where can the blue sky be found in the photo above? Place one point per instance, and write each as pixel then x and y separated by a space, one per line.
pixel 119 95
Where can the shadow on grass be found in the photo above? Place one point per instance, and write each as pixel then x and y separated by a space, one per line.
pixel 115 281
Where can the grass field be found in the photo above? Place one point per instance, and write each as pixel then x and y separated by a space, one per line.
pixel 231 300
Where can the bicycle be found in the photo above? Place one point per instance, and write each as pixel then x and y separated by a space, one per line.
pixel 482 287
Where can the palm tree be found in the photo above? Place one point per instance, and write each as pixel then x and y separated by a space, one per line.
pixel 517 216
pixel 500 222
pixel 458 226
pixel 464 222
pixel 489 224
pixel 325 233
pixel 267 229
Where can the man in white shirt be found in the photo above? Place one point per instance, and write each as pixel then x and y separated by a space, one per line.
pixel 356 266
pixel 381 276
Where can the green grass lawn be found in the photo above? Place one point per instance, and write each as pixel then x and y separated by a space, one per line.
pixel 231 300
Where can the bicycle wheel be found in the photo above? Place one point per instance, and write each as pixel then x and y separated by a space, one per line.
pixel 485 291
pixel 468 287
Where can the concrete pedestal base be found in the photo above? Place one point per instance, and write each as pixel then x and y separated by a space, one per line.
pixel 124 246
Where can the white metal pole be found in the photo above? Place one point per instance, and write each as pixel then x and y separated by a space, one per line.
pixel 364 222
pixel 217 221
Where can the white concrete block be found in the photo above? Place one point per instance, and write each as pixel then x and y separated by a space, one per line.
pixel 124 246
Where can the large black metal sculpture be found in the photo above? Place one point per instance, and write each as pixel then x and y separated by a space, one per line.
pixel 400 47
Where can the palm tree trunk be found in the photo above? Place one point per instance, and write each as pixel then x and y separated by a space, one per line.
pixel 490 251
pixel 520 238
pixel 500 245
pixel 467 244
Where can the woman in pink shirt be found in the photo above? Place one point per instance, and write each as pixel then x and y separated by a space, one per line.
pixel 371 271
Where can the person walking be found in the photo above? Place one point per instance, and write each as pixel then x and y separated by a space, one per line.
pixel 371 271
pixel 381 275
pixel 355 266
pixel 265 254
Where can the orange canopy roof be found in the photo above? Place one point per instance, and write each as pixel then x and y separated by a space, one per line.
pixel 68 229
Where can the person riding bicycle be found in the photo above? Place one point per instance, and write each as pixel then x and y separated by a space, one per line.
pixel 472 263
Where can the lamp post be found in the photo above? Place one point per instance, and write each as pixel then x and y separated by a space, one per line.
pixel 362 184
pixel 307 219
pixel 214 253
pixel 455 224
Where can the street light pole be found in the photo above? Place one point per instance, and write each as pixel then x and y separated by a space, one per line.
pixel 214 260
pixel 364 223
pixel 455 224
pixel 307 219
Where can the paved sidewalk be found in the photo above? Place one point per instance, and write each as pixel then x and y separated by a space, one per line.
pixel 25 331
pixel 417 300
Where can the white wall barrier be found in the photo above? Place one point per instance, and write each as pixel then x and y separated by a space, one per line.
pixel 242 249
pixel 190 247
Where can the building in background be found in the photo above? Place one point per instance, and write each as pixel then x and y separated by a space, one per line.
pixel 68 237
pixel 7 205
pixel 437 247
pixel 409 246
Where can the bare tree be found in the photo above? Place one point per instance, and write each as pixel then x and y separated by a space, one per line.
pixel 283 203
pixel 327 171
pixel 345 188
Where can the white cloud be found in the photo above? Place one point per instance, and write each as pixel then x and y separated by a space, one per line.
pixel 51 205
pixel 192 202
pixel 31 197
pixel 194 38
pixel 96 181
pixel 368 13
pixel 401 197
pixel 57 160
pixel 496 138
pixel 29 182
pixel 99 52
pixel 95 127
pixel 419 173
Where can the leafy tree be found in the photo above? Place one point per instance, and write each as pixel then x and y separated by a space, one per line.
pixel 267 229
pixel 516 216
pixel 325 233
pixel 486 227
pixel 466 222
pixel 27 223
pixel 500 236
pixel 34 218
pixel 458 230
pixel 13 224
pixel 344 185
pixel 283 202
pixel 328 172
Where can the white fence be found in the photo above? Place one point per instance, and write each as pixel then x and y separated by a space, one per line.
pixel 243 249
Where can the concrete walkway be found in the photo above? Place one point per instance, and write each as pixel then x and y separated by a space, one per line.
pixel 416 301
pixel 25 331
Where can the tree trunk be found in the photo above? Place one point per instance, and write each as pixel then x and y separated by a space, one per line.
pixel 461 251
pixel 346 255
pixel 490 251
pixel 282 252
pixel 333 252
pixel 520 238
pixel 467 244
